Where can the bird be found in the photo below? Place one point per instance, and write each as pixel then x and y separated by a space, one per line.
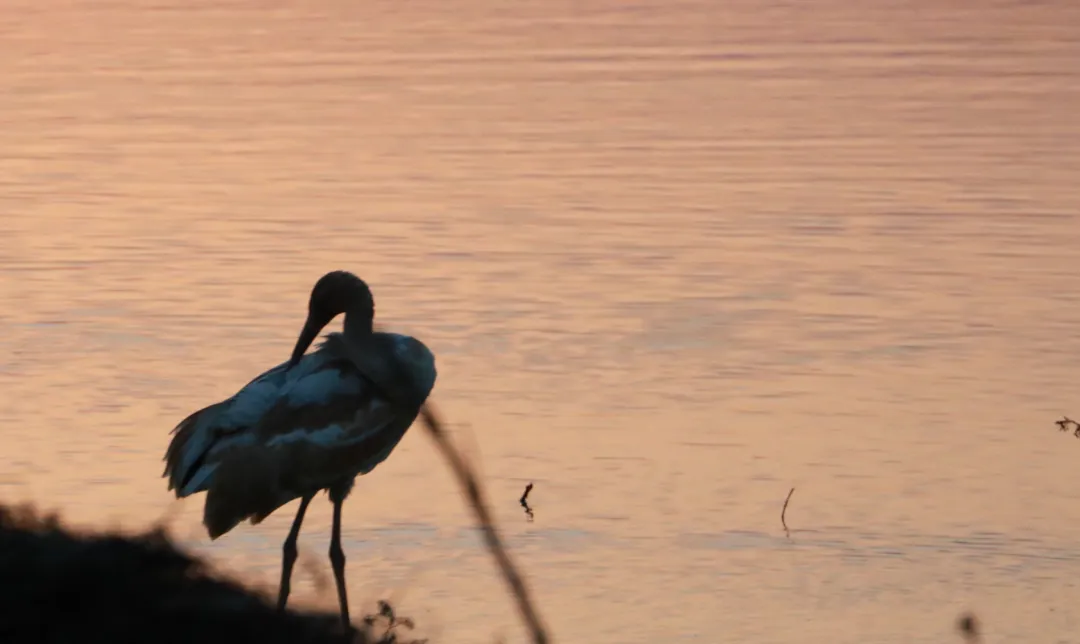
pixel 313 423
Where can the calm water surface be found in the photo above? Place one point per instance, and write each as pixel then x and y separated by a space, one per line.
pixel 675 258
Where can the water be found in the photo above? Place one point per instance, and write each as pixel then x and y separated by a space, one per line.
pixel 675 258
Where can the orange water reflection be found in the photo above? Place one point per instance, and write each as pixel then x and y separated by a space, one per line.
pixel 674 258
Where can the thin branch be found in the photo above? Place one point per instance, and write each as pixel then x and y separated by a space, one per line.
pixel 525 501
pixel 783 512
pixel 1066 423
pixel 471 486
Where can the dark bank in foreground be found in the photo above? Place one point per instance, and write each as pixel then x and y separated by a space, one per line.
pixel 59 585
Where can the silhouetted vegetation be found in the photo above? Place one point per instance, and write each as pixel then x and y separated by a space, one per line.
pixel 1067 424
pixel 61 586
pixel 390 624
pixel 525 501
pixel 783 512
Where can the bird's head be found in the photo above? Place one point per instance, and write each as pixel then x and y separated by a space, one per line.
pixel 335 293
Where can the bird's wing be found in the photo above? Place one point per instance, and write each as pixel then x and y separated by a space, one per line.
pixel 323 430
pixel 228 421
pixel 331 424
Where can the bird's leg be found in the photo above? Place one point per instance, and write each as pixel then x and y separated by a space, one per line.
pixel 289 552
pixel 337 562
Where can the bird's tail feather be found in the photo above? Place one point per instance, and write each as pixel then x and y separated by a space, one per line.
pixel 192 437
pixel 247 483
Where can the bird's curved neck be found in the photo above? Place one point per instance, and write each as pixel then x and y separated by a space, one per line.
pixel 357 323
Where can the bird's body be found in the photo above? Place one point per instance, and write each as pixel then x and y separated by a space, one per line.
pixel 290 433
pixel 313 423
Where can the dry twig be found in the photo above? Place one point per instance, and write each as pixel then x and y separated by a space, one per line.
pixel 525 501
pixel 783 512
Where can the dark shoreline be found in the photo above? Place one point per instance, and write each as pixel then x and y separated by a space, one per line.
pixel 65 586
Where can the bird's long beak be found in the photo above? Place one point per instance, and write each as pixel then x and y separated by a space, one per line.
pixel 312 327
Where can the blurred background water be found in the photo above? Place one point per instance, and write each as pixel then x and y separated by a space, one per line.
pixel 674 258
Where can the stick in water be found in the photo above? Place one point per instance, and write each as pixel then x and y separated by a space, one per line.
pixel 525 501
pixel 783 512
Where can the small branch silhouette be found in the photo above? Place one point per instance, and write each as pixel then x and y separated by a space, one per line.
pixel 390 623
pixel 1066 424
pixel 525 501
pixel 783 512
pixel 968 626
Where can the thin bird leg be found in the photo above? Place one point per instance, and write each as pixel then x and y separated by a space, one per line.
pixel 289 552
pixel 337 562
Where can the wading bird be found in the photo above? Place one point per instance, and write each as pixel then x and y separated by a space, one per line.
pixel 313 423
